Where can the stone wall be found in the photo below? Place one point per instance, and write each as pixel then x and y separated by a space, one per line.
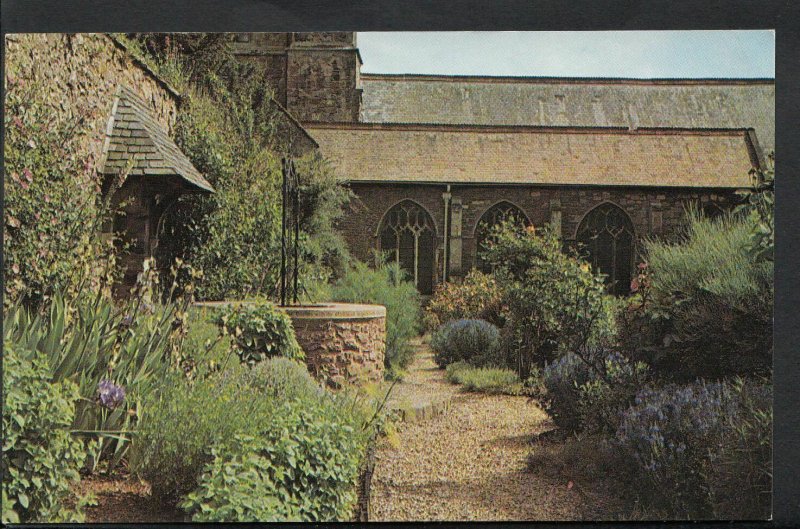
pixel 653 212
pixel 315 75
pixel 343 343
pixel 79 74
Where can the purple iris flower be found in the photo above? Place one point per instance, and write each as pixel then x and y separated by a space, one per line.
pixel 111 395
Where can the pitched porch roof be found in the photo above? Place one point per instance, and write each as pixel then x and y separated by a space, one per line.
pixel 134 135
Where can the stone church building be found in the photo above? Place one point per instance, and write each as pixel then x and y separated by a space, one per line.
pixel 436 161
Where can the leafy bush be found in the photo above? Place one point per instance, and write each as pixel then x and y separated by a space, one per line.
pixel 283 379
pixel 260 331
pixel 385 285
pixel 484 379
pixel 555 303
pixel 478 296
pixel 232 131
pixel 604 398
pixel 760 207
pixel 205 343
pixel 563 379
pixel 590 390
pixel 41 459
pixel 183 420
pixel 709 444
pixel 704 305
pixel 189 425
pixel 474 341
pixel 303 466
pixel 89 339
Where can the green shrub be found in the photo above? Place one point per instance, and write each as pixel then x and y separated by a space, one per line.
pixel 184 420
pixel 206 345
pixel 231 129
pixel 478 296
pixel 740 477
pixel 187 420
pixel 562 380
pixel 484 379
pixel 555 303
pixel 704 305
pixel 260 331
pixel 386 285
pixel 41 459
pixel 303 466
pixel 709 444
pixel 474 341
pixel 283 379
pixel 604 398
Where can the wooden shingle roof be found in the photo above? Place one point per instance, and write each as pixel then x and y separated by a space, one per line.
pixel 458 154
pixel 134 135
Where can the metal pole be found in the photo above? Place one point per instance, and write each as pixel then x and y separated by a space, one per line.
pixel 283 234
pixel 296 229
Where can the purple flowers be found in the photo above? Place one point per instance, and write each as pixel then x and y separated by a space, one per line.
pixel 111 395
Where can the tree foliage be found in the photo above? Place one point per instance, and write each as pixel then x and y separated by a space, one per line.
pixel 228 127
pixel 555 303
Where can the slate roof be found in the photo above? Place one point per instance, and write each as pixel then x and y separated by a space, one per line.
pixel 578 102
pixel 134 133
pixel 457 154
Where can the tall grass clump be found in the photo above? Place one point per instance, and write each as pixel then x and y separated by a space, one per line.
pixel 704 304
pixel 387 285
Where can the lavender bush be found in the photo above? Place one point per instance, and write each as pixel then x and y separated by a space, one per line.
pixel 690 439
pixel 589 391
pixel 473 341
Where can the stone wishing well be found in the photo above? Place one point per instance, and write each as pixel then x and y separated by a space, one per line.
pixel 343 342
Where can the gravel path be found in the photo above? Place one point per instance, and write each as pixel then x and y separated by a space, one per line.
pixel 423 384
pixel 468 464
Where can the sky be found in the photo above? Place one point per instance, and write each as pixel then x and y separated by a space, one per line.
pixel 643 54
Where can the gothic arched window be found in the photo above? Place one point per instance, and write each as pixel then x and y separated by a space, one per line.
pixel 502 211
pixel 606 238
pixel 407 236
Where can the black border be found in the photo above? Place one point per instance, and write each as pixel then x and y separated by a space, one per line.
pixel 395 15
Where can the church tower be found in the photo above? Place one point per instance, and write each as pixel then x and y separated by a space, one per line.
pixel 316 76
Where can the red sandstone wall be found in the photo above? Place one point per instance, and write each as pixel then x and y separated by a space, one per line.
pixel 653 211
pixel 341 350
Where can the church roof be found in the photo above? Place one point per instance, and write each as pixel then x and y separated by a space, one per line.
pixel 135 136
pixel 576 102
pixel 419 153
